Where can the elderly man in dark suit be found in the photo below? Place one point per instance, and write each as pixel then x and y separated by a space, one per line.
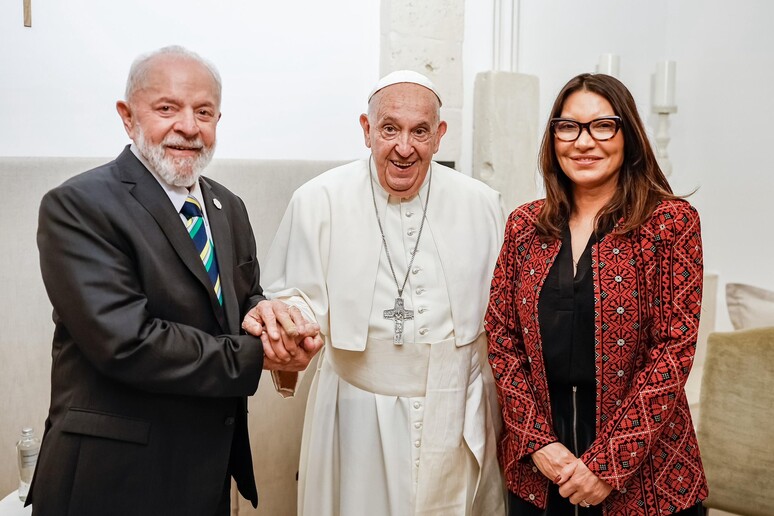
pixel 150 269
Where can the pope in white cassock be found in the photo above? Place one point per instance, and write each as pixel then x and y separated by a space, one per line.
pixel 393 256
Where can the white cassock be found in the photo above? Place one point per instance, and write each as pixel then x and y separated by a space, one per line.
pixel 394 430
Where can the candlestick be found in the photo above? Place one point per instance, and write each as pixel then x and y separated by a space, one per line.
pixel 662 140
pixel 663 104
pixel 664 86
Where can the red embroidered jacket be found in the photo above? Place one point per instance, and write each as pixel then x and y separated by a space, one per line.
pixel 647 298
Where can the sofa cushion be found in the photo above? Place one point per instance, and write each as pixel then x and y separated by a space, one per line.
pixel 735 438
pixel 749 307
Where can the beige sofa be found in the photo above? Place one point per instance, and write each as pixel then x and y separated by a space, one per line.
pixel 25 334
pixel 735 436
pixel 735 413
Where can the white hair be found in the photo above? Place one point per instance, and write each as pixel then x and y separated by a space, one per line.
pixel 139 69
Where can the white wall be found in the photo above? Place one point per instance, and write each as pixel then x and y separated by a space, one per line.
pixel 722 142
pixel 296 74
pixel 725 68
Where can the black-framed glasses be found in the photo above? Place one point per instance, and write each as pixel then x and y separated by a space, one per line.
pixel 601 129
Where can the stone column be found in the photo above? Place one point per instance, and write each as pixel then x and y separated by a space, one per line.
pixel 505 134
pixel 416 36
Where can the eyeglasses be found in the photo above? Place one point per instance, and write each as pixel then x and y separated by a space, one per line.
pixel 601 129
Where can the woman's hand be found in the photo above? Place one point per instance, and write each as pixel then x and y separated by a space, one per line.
pixel 581 486
pixel 551 459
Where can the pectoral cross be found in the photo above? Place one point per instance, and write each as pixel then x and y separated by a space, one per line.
pixel 28 13
pixel 398 314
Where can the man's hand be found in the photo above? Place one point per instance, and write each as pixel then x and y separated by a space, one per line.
pixel 551 459
pixel 289 340
pixel 581 486
pixel 300 358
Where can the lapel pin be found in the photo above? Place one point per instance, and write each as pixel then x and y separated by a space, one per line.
pixel 217 203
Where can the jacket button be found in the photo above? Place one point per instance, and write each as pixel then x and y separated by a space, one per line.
pixel 228 421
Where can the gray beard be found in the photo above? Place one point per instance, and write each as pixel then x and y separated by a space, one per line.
pixel 174 171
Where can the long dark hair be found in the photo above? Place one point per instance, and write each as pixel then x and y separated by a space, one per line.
pixel 641 183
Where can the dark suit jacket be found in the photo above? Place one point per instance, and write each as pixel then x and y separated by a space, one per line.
pixel 150 375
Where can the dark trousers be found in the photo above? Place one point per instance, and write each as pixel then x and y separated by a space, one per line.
pixel 519 507
pixel 224 506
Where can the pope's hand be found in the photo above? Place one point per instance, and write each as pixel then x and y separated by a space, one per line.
pixel 288 338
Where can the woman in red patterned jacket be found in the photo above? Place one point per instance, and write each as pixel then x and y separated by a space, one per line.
pixel 593 319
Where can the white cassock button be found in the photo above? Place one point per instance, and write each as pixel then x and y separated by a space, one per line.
pixel 416 270
pixel 423 331
pixel 409 213
pixel 416 463
pixel 422 310
pixel 418 425
pixel 420 291
pixel 417 444
pixel 417 405
pixel 411 232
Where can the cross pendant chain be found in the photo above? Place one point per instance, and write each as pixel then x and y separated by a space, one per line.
pixel 398 314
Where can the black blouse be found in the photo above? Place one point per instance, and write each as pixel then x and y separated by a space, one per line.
pixel 566 317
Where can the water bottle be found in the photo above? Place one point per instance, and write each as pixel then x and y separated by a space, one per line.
pixel 27 450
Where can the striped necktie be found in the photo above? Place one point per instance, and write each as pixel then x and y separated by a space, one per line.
pixel 192 211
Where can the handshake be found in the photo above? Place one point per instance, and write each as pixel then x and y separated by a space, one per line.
pixel 289 340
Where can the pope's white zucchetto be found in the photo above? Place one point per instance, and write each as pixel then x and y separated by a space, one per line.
pixel 400 76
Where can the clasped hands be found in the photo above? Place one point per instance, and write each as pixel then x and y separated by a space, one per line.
pixel 289 339
pixel 575 480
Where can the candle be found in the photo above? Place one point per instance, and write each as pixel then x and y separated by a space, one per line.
pixel 608 64
pixel 664 85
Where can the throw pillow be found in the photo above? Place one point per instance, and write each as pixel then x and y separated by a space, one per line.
pixel 749 307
